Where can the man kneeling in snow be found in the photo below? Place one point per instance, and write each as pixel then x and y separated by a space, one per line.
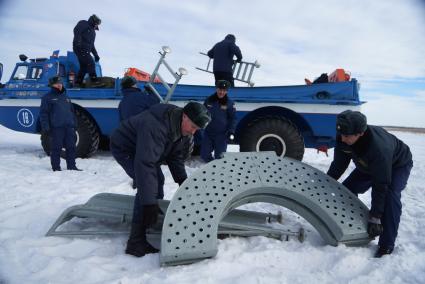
pixel 382 162
pixel 140 145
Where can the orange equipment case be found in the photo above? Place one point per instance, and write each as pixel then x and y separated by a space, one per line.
pixel 139 75
pixel 339 75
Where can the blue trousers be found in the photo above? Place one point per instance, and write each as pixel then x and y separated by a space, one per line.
pixel 126 161
pixel 62 137
pixel 358 182
pixel 213 142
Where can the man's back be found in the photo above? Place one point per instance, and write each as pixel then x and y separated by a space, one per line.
pixel 223 53
pixel 134 102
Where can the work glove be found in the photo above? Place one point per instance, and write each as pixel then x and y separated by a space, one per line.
pixel 374 227
pixel 96 58
pixel 150 215
pixel 180 182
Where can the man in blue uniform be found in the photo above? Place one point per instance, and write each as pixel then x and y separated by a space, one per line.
pixel 223 53
pixel 140 145
pixel 134 100
pixel 382 162
pixel 58 121
pixel 222 125
pixel 83 45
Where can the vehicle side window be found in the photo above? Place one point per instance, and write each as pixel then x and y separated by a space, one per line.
pixel 36 72
pixel 21 73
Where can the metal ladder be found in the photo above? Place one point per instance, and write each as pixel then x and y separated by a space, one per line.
pixel 242 71
pixel 155 74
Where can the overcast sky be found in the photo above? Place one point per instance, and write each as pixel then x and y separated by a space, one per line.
pixel 382 43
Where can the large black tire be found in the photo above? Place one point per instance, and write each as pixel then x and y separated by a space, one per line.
pixel 273 134
pixel 87 137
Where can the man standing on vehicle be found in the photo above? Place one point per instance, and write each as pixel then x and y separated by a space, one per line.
pixel 382 162
pixel 134 100
pixel 58 121
pixel 140 145
pixel 223 53
pixel 83 45
pixel 222 125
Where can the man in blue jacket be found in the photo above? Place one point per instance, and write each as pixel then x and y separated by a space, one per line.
pixel 223 53
pixel 134 100
pixel 382 162
pixel 222 125
pixel 83 45
pixel 58 121
pixel 140 145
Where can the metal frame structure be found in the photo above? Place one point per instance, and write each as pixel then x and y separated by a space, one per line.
pixel 191 223
pixel 203 208
pixel 155 74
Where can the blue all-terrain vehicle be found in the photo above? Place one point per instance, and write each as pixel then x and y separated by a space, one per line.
pixel 285 119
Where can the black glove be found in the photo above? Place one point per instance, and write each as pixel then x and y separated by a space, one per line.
pixel 45 132
pixel 180 182
pixel 150 214
pixel 96 58
pixel 374 227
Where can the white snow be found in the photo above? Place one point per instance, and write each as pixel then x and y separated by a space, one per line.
pixel 32 197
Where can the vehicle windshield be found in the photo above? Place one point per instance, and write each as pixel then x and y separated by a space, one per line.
pixel 21 73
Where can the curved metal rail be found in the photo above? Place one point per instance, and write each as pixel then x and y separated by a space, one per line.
pixel 191 223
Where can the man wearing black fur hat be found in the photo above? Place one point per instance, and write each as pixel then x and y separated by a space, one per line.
pixel 83 45
pixel 223 53
pixel 141 144
pixel 382 162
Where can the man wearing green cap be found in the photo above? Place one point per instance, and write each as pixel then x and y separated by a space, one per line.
pixel 141 144
pixel 383 163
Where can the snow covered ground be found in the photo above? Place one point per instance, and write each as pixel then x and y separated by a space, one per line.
pixel 32 197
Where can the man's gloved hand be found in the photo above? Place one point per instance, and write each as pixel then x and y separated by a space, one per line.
pixel 150 214
pixel 180 182
pixel 96 58
pixel 374 227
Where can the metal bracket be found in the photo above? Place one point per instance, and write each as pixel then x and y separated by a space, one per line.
pixel 155 74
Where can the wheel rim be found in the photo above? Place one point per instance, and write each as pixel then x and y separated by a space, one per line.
pixel 271 142
pixel 76 140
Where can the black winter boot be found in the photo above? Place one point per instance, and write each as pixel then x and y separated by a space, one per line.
pixel 137 244
pixel 381 251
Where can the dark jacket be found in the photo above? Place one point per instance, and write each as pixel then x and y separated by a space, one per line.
pixel 84 37
pixel 56 110
pixel 135 101
pixel 222 115
pixel 153 137
pixel 376 153
pixel 223 53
